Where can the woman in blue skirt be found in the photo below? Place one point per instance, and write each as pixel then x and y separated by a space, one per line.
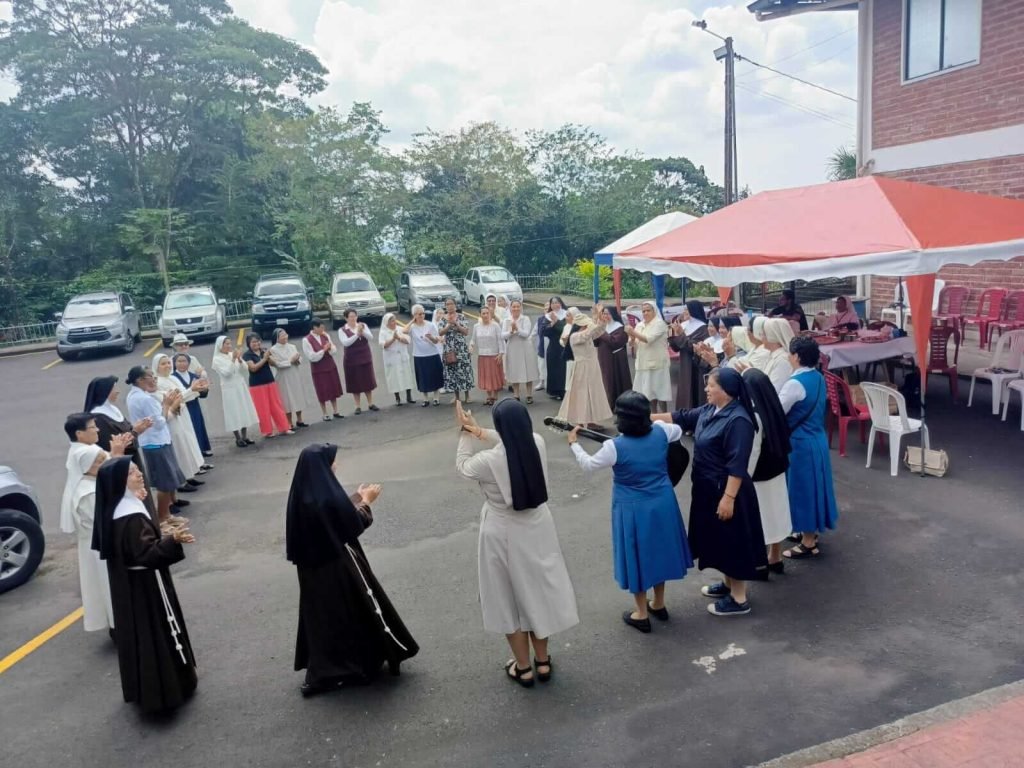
pixel 812 497
pixel 648 538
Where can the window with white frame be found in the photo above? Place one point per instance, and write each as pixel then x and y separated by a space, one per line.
pixel 940 35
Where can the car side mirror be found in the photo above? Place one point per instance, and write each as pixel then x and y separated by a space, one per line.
pixel 157 308
pixel 129 308
pixel 58 315
pixel 222 302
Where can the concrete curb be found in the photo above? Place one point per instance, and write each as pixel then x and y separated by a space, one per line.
pixel 859 742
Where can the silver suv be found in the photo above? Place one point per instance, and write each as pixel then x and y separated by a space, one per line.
pixel 354 290
pixel 427 286
pixel 102 320
pixel 21 533
pixel 193 310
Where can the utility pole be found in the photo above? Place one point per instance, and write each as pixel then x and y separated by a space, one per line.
pixel 731 177
pixel 728 55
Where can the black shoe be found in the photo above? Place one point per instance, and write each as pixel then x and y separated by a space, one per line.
pixel 195 483
pixel 643 625
pixel 206 467
pixel 249 442
pixel 312 689
pixel 186 489
pixel 241 443
pixel 661 614
pixel 374 408
pixel 207 454
pixel 514 673
pixel 301 424
pixel 181 503
pixel 338 416
pixel 779 567
pixel 543 676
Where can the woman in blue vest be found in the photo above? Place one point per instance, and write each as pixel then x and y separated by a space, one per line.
pixel 812 498
pixel 649 544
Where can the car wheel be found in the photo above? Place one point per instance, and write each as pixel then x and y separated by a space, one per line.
pixel 335 323
pixel 21 548
pixel 67 355
pixel 129 346
pixel 165 342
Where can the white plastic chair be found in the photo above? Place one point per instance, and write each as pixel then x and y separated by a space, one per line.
pixel 1009 356
pixel 892 312
pixel 1017 385
pixel 894 426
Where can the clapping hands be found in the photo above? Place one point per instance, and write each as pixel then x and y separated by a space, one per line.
pixel 119 443
pixel 369 492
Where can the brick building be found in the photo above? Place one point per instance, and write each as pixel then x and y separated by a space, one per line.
pixel 940 101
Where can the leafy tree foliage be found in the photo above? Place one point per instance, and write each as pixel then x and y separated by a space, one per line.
pixel 168 139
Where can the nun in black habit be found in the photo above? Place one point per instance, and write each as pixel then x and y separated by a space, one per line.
pixel 692 330
pixel 550 326
pixel 101 402
pixel 158 669
pixel 348 628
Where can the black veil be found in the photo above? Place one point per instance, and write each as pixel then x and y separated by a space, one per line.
pixel 775 447
pixel 98 392
pixel 111 484
pixel 513 424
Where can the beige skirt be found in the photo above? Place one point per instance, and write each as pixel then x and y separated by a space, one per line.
pixel 524 584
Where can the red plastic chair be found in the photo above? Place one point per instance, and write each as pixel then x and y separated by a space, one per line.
pixel 938 355
pixel 990 309
pixel 951 305
pixel 844 410
pixel 1012 318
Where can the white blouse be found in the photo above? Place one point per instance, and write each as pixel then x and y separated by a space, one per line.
pixel 487 339
pixel 348 341
pixel 607 455
pixel 421 346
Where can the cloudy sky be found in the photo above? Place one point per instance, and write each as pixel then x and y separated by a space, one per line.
pixel 637 72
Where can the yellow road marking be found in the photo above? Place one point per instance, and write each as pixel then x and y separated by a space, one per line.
pixel 156 345
pixel 13 658
pixel 241 337
pixel 48 366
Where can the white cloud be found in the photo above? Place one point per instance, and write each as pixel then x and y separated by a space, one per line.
pixel 639 73
pixel 270 15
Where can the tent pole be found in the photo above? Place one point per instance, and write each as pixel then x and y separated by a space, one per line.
pixel 683 281
pixel 900 301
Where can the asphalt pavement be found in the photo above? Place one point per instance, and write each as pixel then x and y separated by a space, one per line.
pixel 917 600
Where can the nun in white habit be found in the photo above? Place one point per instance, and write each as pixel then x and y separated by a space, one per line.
pixel 525 590
pixel 239 412
pixel 77 510
pixel 183 434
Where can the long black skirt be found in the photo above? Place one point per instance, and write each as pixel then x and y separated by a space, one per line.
pixel 429 373
pixel 341 635
pixel 554 381
pixel 736 546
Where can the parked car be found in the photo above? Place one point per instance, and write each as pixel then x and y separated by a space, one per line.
pixel 282 300
pixel 481 281
pixel 354 290
pixel 193 310
pixel 102 320
pixel 21 532
pixel 426 285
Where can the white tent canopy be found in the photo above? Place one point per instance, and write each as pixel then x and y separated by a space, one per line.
pixel 656 227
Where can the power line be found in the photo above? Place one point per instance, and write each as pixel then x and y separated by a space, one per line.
pixel 797 79
pixel 804 68
pixel 796 106
pixel 812 47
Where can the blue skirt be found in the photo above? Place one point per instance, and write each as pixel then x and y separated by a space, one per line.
pixel 649 543
pixel 195 412
pixel 812 497
pixel 429 373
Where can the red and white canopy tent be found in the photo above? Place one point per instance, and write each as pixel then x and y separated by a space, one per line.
pixel 869 226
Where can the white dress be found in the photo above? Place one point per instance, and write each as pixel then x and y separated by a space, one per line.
pixel 778 368
pixel 585 401
pixel 520 351
pixel 524 584
pixel 652 377
pixel 289 377
pixel 772 496
pixel 398 373
pixel 239 412
pixel 92 572
pixel 183 434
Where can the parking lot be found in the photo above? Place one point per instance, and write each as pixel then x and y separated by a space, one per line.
pixel 917 601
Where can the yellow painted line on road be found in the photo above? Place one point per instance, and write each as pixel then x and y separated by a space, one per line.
pixel 50 365
pixel 156 345
pixel 36 642
pixel 241 337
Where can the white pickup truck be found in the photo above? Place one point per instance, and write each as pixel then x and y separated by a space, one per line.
pixel 482 281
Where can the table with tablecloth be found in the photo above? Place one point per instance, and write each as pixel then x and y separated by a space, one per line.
pixel 845 354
